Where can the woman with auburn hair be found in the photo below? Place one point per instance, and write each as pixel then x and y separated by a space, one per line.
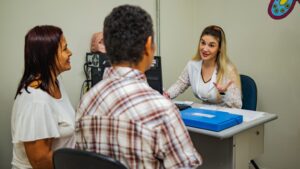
pixel 43 118
pixel 213 77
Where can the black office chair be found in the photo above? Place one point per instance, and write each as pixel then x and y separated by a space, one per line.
pixel 249 98
pixel 249 93
pixel 67 158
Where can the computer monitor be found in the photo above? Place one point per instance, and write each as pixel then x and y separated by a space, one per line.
pixel 96 62
pixel 99 61
pixel 154 75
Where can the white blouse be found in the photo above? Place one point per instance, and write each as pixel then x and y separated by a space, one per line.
pixel 207 92
pixel 37 115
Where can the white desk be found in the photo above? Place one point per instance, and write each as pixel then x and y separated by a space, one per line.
pixel 232 148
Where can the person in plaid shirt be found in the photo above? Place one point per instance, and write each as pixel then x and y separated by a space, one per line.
pixel 122 116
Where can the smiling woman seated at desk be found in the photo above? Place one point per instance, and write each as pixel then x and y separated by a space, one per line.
pixel 213 78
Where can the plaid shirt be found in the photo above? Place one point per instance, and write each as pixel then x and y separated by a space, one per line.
pixel 122 117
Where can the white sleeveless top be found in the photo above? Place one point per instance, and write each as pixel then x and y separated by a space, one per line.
pixel 37 115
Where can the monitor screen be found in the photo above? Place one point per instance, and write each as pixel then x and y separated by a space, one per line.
pixel 154 75
pixel 99 61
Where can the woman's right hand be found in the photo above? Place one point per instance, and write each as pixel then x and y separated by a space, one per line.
pixel 223 88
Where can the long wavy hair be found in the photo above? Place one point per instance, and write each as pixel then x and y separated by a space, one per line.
pixel 40 55
pixel 222 58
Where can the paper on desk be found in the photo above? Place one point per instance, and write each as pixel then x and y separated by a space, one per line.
pixel 183 102
pixel 247 114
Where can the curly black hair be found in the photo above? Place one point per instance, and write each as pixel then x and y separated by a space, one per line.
pixel 126 30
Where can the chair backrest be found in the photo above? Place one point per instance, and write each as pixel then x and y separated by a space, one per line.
pixel 67 158
pixel 249 93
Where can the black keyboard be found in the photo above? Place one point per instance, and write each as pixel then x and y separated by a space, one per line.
pixel 181 106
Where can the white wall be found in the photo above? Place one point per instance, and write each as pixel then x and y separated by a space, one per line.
pixel 267 50
pixel 260 47
pixel 178 43
pixel 78 19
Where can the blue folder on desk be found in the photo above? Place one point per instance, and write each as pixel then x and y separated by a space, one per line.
pixel 210 119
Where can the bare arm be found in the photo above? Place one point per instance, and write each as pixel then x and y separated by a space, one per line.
pixel 39 153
